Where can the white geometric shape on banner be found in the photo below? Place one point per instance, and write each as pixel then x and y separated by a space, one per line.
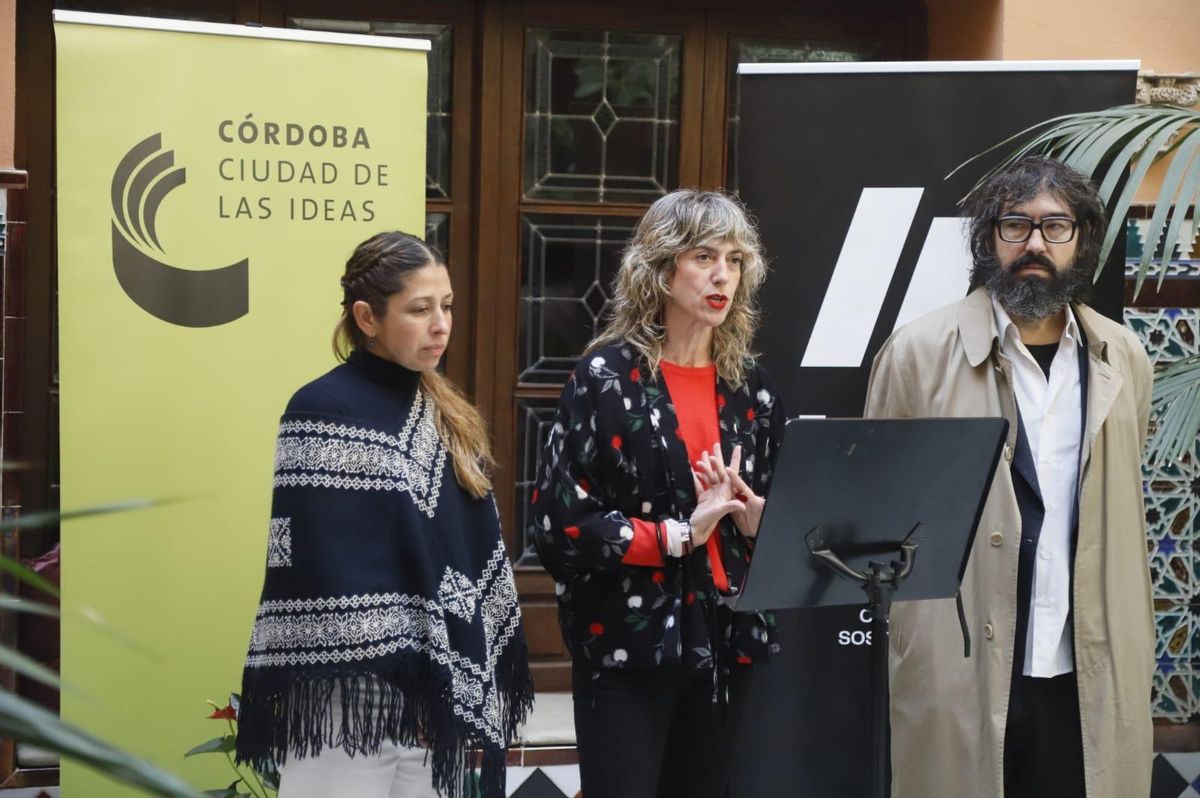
pixel 943 271
pixel 862 277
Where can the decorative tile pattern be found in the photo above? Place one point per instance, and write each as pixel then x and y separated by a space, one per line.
pixel 1169 543
pixel 1168 334
pixel 1174 776
pixel 1136 238
pixel 1172 503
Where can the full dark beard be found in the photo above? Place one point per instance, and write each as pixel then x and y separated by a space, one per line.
pixel 1032 296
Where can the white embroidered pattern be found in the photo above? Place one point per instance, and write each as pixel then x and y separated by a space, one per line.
pixel 339 629
pixel 457 594
pixel 279 543
pixel 329 455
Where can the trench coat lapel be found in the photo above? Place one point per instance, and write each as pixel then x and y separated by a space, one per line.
pixel 1104 383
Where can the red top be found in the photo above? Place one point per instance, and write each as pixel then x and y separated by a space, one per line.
pixel 693 392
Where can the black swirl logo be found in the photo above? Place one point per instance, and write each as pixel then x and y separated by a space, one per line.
pixel 187 297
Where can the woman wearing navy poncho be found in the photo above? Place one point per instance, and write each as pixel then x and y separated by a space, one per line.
pixel 388 646
pixel 649 494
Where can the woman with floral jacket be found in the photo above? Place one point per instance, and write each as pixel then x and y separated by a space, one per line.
pixel 649 494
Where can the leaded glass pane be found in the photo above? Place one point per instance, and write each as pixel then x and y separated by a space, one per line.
pixel 438 110
pixel 601 115
pixel 437 232
pixel 534 417
pixel 747 51
pixel 567 268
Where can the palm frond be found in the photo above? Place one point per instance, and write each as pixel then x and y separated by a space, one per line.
pixel 22 720
pixel 1176 403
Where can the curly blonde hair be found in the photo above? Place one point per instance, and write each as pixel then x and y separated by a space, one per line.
pixel 680 221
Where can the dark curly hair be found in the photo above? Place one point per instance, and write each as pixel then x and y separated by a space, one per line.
pixel 1020 182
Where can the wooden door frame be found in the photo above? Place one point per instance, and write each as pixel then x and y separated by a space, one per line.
pixel 506 277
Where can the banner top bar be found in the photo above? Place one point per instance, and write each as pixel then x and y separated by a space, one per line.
pixel 252 32
pixel 835 67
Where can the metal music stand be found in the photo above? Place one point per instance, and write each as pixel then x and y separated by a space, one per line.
pixel 852 503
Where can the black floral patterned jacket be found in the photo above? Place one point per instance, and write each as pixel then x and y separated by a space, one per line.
pixel 614 454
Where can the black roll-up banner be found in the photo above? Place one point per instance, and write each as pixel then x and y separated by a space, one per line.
pixel 844 166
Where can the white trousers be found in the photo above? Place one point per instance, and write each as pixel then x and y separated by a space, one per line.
pixel 395 772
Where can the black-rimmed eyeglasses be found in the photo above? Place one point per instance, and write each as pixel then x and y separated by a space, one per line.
pixel 1018 229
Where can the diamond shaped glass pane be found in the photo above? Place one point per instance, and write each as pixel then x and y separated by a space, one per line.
pixel 567 268
pixel 438 110
pixel 601 115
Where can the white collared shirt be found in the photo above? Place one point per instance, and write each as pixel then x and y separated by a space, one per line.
pixel 1051 415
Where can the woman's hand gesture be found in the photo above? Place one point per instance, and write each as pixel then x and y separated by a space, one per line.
pixel 713 473
pixel 714 500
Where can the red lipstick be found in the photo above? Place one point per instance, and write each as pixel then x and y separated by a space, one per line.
pixel 717 301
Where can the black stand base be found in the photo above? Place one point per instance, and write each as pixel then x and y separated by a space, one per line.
pixel 880 582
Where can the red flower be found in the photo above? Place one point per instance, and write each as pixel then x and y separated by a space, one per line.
pixel 616 441
pixel 744 660
pixel 533 500
pixel 572 532
pixel 720 400
pixel 750 414
pixel 587 486
pixel 596 629
pixel 690 597
pixel 228 713
pixel 659 577
pixel 635 374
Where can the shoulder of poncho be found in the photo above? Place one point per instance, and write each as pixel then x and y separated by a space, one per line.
pixel 327 395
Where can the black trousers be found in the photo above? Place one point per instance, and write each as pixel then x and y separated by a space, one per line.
pixel 1043 744
pixel 653 732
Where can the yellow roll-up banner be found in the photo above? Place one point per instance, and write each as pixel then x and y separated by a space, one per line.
pixel 212 180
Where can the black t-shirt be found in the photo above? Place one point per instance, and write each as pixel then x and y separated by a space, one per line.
pixel 1044 355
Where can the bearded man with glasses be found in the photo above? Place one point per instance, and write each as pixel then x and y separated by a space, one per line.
pixel 1054 699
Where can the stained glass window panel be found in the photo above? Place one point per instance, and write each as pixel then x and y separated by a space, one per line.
pixel 534 417
pixel 567 268
pixel 437 232
pixel 438 105
pixel 601 115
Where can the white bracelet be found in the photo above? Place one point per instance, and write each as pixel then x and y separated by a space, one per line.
pixel 679 534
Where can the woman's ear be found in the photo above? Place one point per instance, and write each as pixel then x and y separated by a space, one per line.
pixel 364 318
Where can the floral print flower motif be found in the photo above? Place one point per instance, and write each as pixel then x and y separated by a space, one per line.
pixel 596 629
pixel 572 532
pixel 616 442
pixel 635 374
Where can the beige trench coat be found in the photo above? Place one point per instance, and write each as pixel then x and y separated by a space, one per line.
pixel 948 712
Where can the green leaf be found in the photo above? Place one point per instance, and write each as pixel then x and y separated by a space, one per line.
pixel 22 720
pixel 30 668
pixel 53 517
pixel 27 575
pixel 1166 199
pixel 1188 189
pixel 17 604
pixel 217 745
